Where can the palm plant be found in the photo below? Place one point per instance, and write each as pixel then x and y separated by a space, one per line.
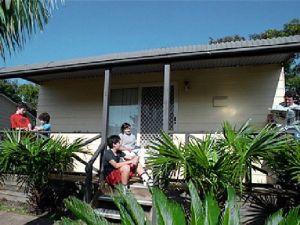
pixel 294 162
pixel 202 212
pixel 19 19
pixel 246 145
pixel 32 160
pixel 198 161
pixel 213 164
pixel 285 164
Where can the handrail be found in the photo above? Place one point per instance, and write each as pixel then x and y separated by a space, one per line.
pixel 92 139
pixel 260 170
pixel 88 170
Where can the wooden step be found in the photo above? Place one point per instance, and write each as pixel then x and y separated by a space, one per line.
pixel 108 213
pixel 140 200
pixel 13 195
pixel 138 185
pixel 13 187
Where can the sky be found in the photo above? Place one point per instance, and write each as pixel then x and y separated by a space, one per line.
pixel 79 29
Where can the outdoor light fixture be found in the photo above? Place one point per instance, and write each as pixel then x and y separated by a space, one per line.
pixel 187 85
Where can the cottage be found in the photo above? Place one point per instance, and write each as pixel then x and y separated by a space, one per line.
pixel 182 90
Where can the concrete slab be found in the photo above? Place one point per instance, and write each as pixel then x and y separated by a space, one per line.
pixel 9 218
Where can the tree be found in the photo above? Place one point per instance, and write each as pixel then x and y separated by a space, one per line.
pixel 19 19
pixel 27 93
pixel 9 88
pixel 289 29
pixel 226 39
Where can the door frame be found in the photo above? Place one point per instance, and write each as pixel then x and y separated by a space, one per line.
pixel 152 84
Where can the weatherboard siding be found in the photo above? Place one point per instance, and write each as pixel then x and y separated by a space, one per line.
pixel 7 107
pixel 75 104
pixel 250 92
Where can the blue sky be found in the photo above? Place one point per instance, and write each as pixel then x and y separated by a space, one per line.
pixel 90 28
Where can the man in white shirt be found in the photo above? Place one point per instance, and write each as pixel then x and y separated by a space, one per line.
pixel 289 100
pixel 285 112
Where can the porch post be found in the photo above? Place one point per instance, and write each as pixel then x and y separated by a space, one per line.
pixel 166 98
pixel 102 146
pixel 105 110
pixel 106 96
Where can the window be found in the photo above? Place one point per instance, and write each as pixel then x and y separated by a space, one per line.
pixel 123 108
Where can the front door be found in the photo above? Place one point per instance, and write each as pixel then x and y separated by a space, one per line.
pixel 152 113
pixel 142 107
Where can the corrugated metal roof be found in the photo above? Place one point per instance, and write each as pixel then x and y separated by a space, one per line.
pixel 222 50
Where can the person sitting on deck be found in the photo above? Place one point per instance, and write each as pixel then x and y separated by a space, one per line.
pixel 116 172
pixel 19 120
pixel 129 146
pixel 45 127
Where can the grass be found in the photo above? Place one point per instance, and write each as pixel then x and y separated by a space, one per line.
pixel 15 207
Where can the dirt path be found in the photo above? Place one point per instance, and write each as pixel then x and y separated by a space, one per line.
pixel 9 218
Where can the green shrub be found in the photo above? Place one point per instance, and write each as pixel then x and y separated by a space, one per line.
pixel 32 159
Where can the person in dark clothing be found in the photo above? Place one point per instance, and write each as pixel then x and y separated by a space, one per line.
pixel 117 172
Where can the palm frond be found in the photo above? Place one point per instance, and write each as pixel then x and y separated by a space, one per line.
pixel 275 219
pixel 247 145
pixel 84 212
pixel 166 158
pixel 167 211
pixel 261 206
pixel 19 19
pixel 131 211
pixel 292 217
pixel 212 210
pixel 197 212
pixel 231 214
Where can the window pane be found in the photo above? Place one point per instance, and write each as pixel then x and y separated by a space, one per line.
pixel 123 108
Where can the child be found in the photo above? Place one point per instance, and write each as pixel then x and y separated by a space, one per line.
pixel 116 172
pixel 45 123
pixel 127 138
pixel 128 142
pixel 19 120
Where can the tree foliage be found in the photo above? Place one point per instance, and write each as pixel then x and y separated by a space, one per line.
pixel 9 88
pixel 288 29
pixel 228 38
pixel 27 93
pixel 19 19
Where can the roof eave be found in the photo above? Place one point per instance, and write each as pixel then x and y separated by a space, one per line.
pixel 165 58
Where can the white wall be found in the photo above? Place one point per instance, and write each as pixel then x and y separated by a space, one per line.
pixel 75 105
pixel 250 91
